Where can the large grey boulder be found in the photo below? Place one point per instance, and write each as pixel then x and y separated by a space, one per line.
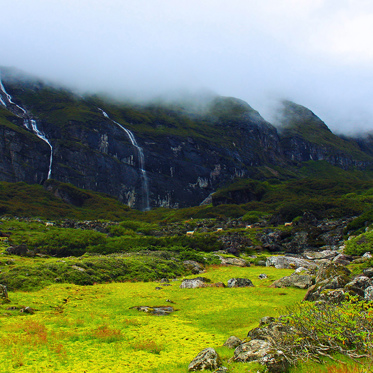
pixel 239 283
pixel 207 359
pixel 288 262
pixel 295 280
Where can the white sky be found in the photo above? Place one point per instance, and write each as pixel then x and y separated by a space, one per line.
pixel 318 53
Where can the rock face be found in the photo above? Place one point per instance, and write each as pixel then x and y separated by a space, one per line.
pixel 154 156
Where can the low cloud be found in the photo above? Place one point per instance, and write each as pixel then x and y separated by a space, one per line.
pixel 317 53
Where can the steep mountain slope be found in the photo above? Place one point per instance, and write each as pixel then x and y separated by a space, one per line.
pixel 152 155
pixel 305 137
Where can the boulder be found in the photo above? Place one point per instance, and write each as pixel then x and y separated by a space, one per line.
pixel 193 283
pixel 207 359
pixel 253 350
pixel 239 283
pixel 286 262
pixel 232 342
pixel 262 276
pixel 295 280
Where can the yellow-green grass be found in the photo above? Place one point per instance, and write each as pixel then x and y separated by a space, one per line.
pixel 93 328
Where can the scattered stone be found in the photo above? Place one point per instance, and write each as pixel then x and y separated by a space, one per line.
pixel 294 280
pixel 158 288
pixel 232 342
pixel 239 283
pixel 206 359
pixel 165 280
pixel 367 255
pixel 262 276
pixel 170 301
pixel 158 310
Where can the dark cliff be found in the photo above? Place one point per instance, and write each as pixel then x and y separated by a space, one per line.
pixel 155 154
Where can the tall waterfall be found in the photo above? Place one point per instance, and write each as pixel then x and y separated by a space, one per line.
pixel 6 100
pixel 131 136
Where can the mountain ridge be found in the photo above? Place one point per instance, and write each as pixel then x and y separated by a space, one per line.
pixel 187 155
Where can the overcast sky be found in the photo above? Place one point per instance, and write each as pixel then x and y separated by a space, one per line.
pixel 318 53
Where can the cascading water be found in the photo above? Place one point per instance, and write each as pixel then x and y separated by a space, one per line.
pixel 145 184
pixel 26 122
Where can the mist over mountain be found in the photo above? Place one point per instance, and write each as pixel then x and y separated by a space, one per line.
pixel 316 53
pixel 159 153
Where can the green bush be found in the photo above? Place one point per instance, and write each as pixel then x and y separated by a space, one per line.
pixel 360 245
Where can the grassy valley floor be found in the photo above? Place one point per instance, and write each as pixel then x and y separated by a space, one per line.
pixel 93 328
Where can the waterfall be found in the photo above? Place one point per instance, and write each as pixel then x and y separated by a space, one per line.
pixel 26 122
pixel 144 177
pixel 42 137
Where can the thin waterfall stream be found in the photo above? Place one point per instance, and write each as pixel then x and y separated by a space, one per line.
pixel 26 122
pixel 144 177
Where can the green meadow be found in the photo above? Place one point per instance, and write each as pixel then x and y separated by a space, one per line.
pixel 93 328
